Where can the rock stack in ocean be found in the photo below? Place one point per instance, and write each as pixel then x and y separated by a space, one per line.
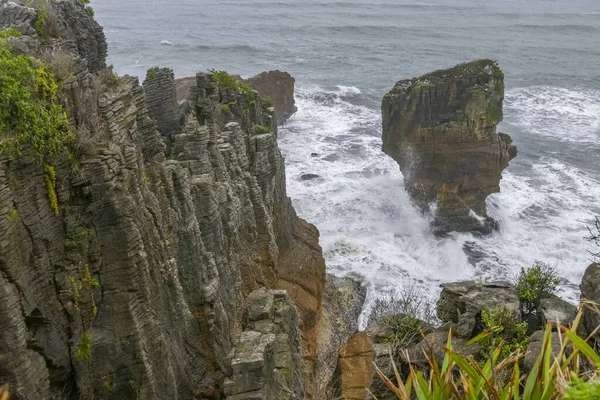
pixel 278 87
pixel 441 129
pixel 137 287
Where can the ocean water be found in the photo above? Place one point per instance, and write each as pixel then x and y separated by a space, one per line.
pixel 345 56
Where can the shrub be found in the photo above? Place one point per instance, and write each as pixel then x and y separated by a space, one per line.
pixel 407 313
pixel 534 284
pixel 84 348
pixel 259 129
pixel 50 178
pixel 152 72
pixel 10 32
pixel 228 82
pixel 225 109
pixel 29 112
pixel 512 334
pixel 559 374
pixel 108 76
pixel 77 236
pixel 60 64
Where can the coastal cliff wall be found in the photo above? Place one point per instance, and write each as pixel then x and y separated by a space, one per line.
pixel 125 268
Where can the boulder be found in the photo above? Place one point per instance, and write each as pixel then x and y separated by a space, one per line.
pixel 433 345
pixel 461 303
pixel 535 347
pixel 555 309
pixel 441 129
pixel 590 290
pixel 278 87
pixel 356 367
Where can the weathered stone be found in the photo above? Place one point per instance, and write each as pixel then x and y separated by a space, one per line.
pixel 461 303
pixel 418 354
pixel 342 304
pixel 356 367
pixel 161 97
pixel 535 347
pixel 137 288
pixel 555 309
pixel 267 362
pixel 278 87
pixel 590 291
pixel 441 129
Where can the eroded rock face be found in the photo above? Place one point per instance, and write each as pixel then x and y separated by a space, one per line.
pixel 343 300
pixel 267 363
pixel 278 87
pixel 461 303
pixel 137 288
pixel 441 129
pixel 356 367
pixel 590 290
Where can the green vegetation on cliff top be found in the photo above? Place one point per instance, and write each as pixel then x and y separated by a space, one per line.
pixel 473 68
pixel 29 111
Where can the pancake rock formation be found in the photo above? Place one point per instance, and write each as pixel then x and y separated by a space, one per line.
pixel 127 269
pixel 441 130
pixel 276 87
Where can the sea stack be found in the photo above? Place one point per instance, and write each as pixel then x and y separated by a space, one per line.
pixel 441 130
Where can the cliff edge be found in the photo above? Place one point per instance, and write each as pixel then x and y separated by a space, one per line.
pixel 126 259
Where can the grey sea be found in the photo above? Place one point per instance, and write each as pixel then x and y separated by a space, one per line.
pixel 345 56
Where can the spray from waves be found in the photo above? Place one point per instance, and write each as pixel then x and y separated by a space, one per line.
pixel 559 113
pixel 369 226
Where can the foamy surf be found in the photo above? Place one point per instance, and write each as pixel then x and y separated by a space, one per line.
pixel 370 227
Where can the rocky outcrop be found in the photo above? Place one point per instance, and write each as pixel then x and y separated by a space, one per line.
pixel 441 129
pixel 461 303
pixel 343 300
pixel 356 367
pixel 590 291
pixel 267 363
pixel 137 287
pixel 278 87
pixel 275 86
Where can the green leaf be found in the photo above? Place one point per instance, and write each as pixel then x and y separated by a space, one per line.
pixel 583 347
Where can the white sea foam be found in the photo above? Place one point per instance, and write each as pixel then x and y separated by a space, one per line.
pixel 348 91
pixel 565 114
pixel 370 227
pixel 166 43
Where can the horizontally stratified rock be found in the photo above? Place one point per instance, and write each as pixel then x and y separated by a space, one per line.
pixel 356 367
pixel 137 288
pixel 441 129
pixel 278 87
pixel 267 362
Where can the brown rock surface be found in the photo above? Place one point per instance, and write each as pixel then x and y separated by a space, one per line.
pixel 441 129
pixel 278 87
pixel 356 367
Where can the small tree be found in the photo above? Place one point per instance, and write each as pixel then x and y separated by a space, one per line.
pixel 534 284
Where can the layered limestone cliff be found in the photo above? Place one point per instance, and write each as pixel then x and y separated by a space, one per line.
pixel 134 283
pixel 441 129
pixel 275 86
